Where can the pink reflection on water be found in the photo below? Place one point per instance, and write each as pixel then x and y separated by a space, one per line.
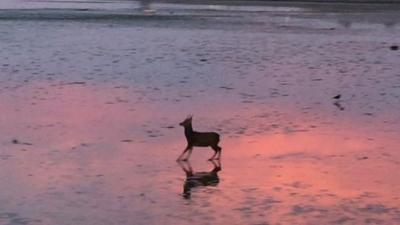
pixel 314 177
pixel 99 151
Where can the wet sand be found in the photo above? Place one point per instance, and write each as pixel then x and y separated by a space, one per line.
pixel 91 106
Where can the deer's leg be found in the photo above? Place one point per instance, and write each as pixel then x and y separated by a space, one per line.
pixel 212 157
pixel 184 151
pixel 219 155
pixel 190 152
pixel 217 151
pixel 183 167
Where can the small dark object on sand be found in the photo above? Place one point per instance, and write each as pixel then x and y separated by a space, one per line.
pixel 394 47
pixel 199 139
pixel 338 105
pixel 76 82
pixel 337 96
pixel 16 142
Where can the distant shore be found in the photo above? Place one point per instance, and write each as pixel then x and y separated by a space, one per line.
pixel 231 1
pixel 321 5
pixel 262 2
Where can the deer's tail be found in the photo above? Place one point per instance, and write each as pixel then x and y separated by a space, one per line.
pixel 218 138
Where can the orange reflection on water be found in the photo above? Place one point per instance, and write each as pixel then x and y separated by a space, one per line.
pixel 346 156
pixel 311 177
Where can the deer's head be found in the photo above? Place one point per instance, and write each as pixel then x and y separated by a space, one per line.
pixel 187 121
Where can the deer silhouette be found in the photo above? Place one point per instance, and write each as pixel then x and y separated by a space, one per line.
pixel 199 139
pixel 199 179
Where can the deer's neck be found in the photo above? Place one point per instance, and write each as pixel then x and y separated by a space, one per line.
pixel 188 131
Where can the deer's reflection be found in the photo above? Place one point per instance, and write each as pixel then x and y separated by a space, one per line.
pixel 198 179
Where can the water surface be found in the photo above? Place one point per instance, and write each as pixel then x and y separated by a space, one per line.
pixel 90 113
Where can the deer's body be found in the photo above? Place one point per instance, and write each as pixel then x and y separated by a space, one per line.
pixel 199 139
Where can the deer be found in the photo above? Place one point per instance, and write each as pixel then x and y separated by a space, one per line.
pixel 199 139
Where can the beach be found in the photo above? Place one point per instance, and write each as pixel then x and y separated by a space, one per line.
pixel 92 96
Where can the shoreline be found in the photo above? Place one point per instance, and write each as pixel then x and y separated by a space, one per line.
pixel 323 6
pixel 359 4
pixel 242 1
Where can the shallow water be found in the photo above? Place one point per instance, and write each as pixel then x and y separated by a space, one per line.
pixel 90 113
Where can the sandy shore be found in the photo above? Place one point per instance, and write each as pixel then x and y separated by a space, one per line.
pixel 91 102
